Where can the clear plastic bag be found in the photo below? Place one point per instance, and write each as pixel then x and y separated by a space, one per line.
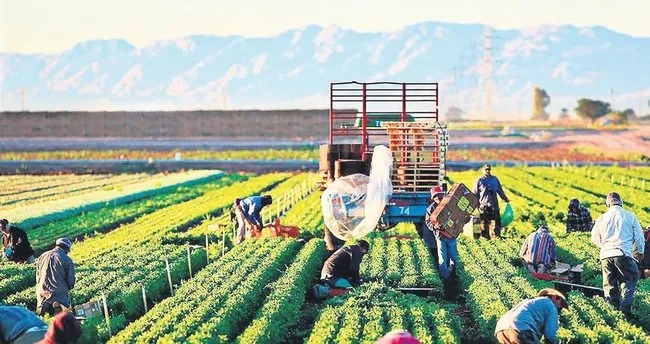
pixel 352 205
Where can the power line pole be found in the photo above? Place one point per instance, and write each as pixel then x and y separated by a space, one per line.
pixel 22 99
pixel 488 66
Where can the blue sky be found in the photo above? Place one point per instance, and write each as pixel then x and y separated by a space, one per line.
pixel 29 26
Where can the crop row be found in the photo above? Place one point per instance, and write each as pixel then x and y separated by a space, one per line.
pixel 400 263
pixel 120 275
pixel 15 277
pixel 281 309
pixel 547 191
pixel 371 311
pixel 112 216
pixel 494 285
pixel 124 154
pixel 218 300
pixel 18 184
pixel 285 195
pixel 307 215
pixel 18 277
pixel 633 198
pixel 172 219
pixel 308 153
pixel 30 197
pixel 64 207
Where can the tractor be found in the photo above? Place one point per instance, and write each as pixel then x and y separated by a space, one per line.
pixel 403 117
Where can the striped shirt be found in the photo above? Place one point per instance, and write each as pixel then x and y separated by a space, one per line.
pixel 539 247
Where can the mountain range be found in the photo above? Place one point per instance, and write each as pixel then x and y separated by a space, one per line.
pixel 293 69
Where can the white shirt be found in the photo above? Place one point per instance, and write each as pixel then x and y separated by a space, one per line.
pixel 618 233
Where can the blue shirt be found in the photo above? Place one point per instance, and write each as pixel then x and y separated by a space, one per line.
pixel 14 320
pixel 538 315
pixel 252 206
pixel 487 188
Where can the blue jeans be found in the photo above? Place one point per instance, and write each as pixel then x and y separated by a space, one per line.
pixel 447 255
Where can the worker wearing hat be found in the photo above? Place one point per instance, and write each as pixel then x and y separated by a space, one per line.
pixel 55 276
pixel 15 243
pixel 531 319
pixel 619 236
pixel 487 187
pixel 437 193
pixel 578 218
pixel 446 243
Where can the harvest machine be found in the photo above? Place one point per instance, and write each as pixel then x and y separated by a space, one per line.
pixel 401 116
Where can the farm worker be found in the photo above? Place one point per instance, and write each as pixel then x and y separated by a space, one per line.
pixel 423 229
pixel 531 319
pixel 487 187
pixel 55 277
pixel 538 251
pixel 644 259
pixel 445 242
pixel 398 337
pixel 15 243
pixel 618 234
pixel 248 215
pixel 65 328
pixel 341 269
pixel 578 218
pixel 20 326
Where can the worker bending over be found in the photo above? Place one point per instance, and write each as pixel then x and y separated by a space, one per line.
pixel 341 269
pixel 248 213
pixel 55 276
pixel 15 243
pixel 531 319
pixel 20 326
pixel 538 251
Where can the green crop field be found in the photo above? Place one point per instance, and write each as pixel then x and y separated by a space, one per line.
pixel 160 249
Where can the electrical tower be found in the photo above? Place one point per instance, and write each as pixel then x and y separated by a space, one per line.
pixel 484 88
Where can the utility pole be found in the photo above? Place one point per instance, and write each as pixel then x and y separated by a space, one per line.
pixel 22 99
pixel 488 66
pixel 611 93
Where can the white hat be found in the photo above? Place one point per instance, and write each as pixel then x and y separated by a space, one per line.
pixel 64 242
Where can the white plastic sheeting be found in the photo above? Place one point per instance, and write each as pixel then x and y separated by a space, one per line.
pixel 352 205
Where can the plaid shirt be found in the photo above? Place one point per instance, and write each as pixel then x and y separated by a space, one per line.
pixel 580 221
pixel 539 248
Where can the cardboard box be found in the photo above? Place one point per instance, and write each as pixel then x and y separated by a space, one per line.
pixel 88 309
pixel 455 209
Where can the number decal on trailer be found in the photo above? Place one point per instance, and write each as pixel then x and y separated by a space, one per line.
pixel 404 211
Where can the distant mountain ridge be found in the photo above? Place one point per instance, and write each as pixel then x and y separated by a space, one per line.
pixel 293 69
